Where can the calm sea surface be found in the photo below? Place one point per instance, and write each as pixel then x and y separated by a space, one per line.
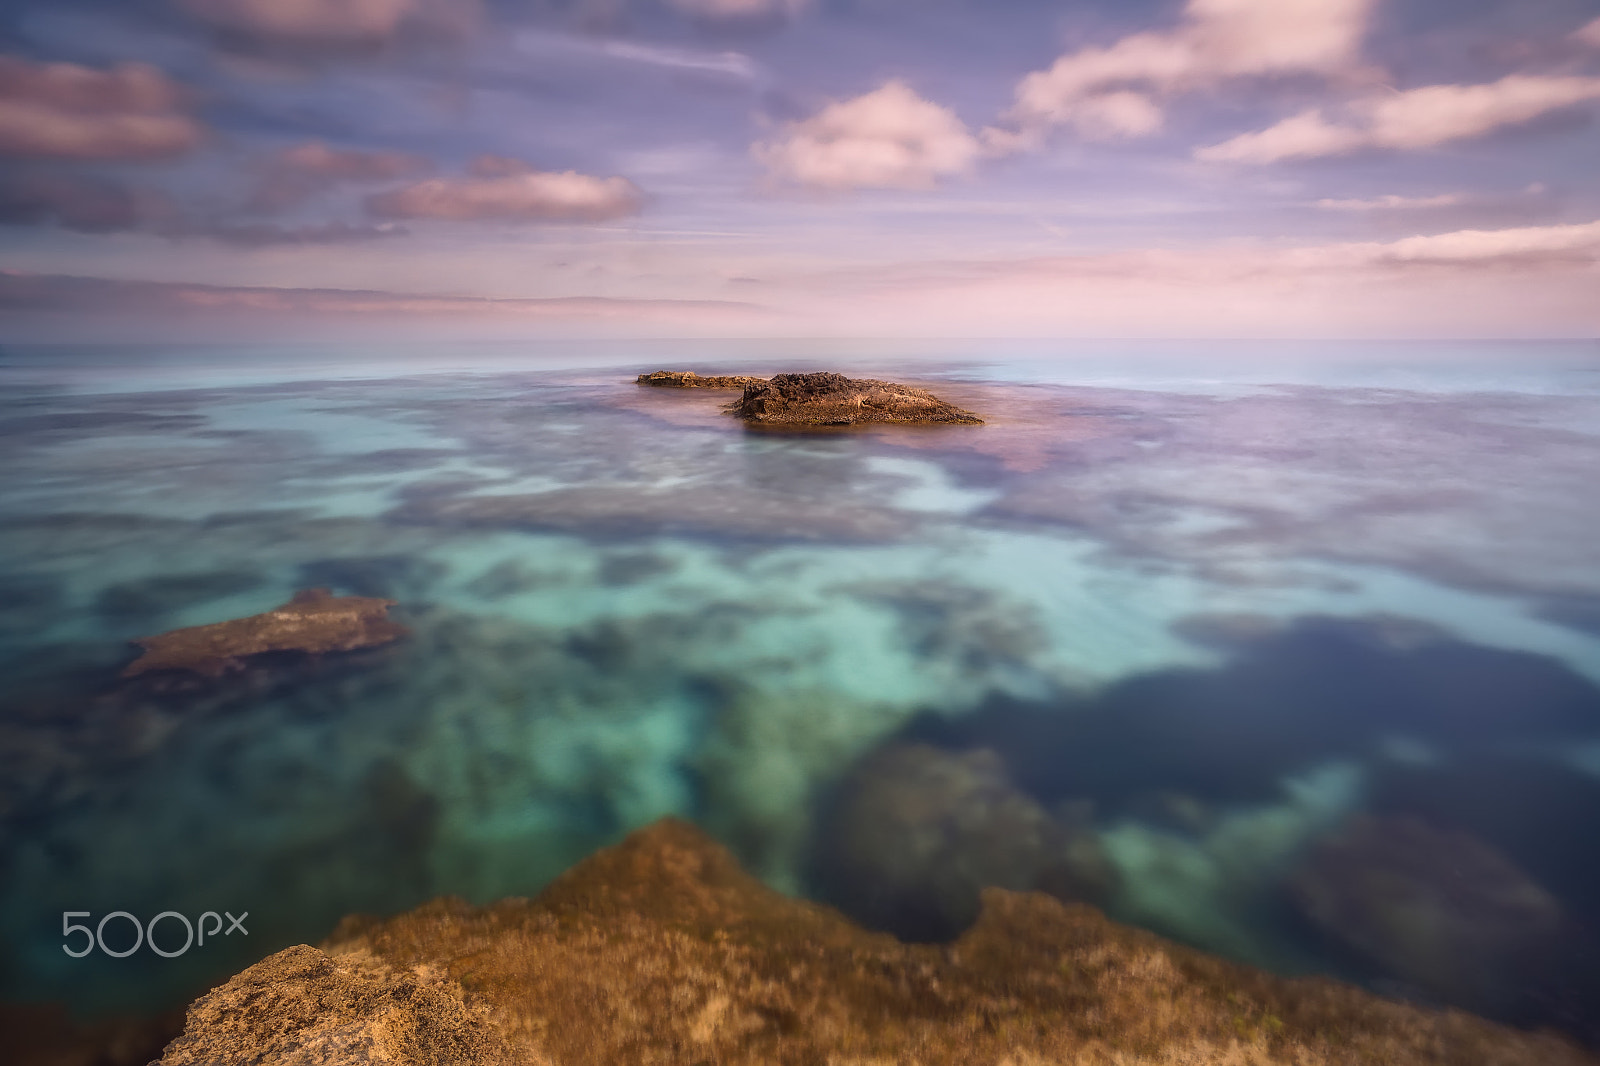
pixel 1214 604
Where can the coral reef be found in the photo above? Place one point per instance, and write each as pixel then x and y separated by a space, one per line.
pixel 314 621
pixel 834 400
pixel 688 379
pixel 916 833
pixel 662 950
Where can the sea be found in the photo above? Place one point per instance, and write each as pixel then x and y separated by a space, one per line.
pixel 1301 638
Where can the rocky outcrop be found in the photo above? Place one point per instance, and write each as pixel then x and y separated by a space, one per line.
pixel 1440 910
pixel 315 622
pixel 688 379
pixel 661 950
pixel 916 833
pixel 835 400
pixel 301 1006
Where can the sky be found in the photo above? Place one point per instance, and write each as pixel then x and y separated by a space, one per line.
pixel 799 168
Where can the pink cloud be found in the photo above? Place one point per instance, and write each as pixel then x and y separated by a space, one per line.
pixel 336 22
pixel 298 173
pixel 1416 118
pixel 65 111
pixel 1116 91
pixel 739 10
pixel 888 138
pixel 1588 34
pixel 498 189
pixel 1391 203
pixel 317 158
pixel 1574 242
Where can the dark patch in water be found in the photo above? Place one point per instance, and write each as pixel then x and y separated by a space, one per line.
pixel 1575 612
pixel 632 568
pixel 153 597
pixel 507 578
pixel 1321 689
pixel 1432 717
pixel 27 601
pixel 1544 815
pixel 395 577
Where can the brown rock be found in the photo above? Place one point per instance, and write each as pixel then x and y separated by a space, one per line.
pixel 835 400
pixel 688 379
pixel 661 950
pixel 1440 910
pixel 315 621
pixel 917 833
pixel 303 1007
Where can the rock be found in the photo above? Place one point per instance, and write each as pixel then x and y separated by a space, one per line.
pixel 661 950
pixel 314 621
pixel 1440 910
pixel 303 1007
pixel 835 400
pixel 688 379
pixel 917 833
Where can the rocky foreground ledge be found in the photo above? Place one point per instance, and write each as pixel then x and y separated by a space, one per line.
pixel 822 399
pixel 662 950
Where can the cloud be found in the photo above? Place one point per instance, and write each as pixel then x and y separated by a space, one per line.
pixel 93 306
pixel 544 43
pixel 888 138
pixel 753 11
pixel 1391 203
pixel 295 174
pixel 510 190
pixel 1571 242
pixel 77 203
pixel 266 235
pixel 65 111
pixel 1415 118
pixel 331 23
pixel 98 205
pixel 1117 91
pixel 1588 34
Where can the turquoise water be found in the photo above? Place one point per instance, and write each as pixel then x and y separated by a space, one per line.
pixel 626 605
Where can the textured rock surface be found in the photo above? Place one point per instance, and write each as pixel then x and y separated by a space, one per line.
pixel 1440 910
pixel 315 621
pixel 688 379
pixel 917 833
pixel 301 1006
pixel 661 950
pixel 835 400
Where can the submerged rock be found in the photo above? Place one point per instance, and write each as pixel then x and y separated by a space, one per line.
pixel 835 400
pixel 314 621
pixel 1440 910
pixel 661 950
pixel 688 379
pixel 916 833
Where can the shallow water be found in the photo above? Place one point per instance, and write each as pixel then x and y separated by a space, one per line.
pixel 1217 614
